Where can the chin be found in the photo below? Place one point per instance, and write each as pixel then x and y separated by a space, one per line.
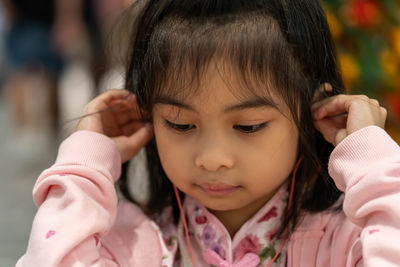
pixel 220 204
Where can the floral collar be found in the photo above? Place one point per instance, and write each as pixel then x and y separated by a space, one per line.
pixel 253 245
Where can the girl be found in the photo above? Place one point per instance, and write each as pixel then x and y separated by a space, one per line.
pixel 246 106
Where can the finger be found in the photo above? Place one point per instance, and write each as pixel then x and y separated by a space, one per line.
pixel 121 113
pixel 114 115
pixel 126 110
pixel 340 135
pixel 122 118
pixel 131 127
pixel 113 129
pixel 102 101
pixel 128 115
pixel 383 112
pixel 127 103
pixel 97 115
pixel 374 102
pixel 327 129
pixel 130 146
pixel 331 105
pixel 114 94
pixel 336 105
pixel 141 136
pixel 110 123
pixel 323 102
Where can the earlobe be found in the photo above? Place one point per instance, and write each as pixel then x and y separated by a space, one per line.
pixel 321 92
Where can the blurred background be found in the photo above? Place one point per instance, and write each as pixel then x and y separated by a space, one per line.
pixel 54 58
pixel 367 36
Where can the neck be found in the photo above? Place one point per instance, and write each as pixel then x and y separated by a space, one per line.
pixel 234 219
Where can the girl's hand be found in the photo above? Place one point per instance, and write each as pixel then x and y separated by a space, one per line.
pixel 338 116
pixel 116 114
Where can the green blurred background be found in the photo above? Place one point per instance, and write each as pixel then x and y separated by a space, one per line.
pixel 367 35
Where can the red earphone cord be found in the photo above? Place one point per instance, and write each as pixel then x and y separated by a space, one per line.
pixel 286 230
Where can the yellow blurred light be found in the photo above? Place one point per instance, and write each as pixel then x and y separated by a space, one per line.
pixel 390 65
pixel 350 69
pixel 396 40
pixel 334 25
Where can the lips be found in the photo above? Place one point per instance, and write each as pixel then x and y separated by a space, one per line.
pixel 218 189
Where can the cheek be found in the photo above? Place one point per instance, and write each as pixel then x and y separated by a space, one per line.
pixel 286 152
pixel 274 159
pixel 174 158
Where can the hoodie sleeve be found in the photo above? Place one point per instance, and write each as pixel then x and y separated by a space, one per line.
pixel 366 166
pixel 77 205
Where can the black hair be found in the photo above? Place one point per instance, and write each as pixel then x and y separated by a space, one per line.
pixel 282 45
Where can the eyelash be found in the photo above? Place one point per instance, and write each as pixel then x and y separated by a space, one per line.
pixel 179 127
pixel 242 128
pixel 253 128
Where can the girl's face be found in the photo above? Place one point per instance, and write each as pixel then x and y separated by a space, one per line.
pixel 229 153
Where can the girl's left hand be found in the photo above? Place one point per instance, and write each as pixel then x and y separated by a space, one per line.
pixel 338 116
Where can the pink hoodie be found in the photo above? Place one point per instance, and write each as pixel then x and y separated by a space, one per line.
pixel 80 223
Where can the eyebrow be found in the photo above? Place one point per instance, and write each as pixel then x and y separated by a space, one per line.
pixel 257 102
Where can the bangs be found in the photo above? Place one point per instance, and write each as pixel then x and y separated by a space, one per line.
pixel 248 51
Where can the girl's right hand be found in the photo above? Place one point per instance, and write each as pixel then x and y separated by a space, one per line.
pixel 115 114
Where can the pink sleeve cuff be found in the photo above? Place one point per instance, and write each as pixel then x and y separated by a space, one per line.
pixel 360 151
pixel 90 149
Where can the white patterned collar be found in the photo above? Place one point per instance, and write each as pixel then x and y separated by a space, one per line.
pixel 255 238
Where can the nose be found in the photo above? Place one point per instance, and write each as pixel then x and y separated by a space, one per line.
pixel 214 154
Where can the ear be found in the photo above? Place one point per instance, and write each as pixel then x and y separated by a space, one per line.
pixel 322 91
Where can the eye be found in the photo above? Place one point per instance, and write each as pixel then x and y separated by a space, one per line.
pixel 250 128
pixel 179 127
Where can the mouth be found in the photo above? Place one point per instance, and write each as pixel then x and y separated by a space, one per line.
pixel 218 189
